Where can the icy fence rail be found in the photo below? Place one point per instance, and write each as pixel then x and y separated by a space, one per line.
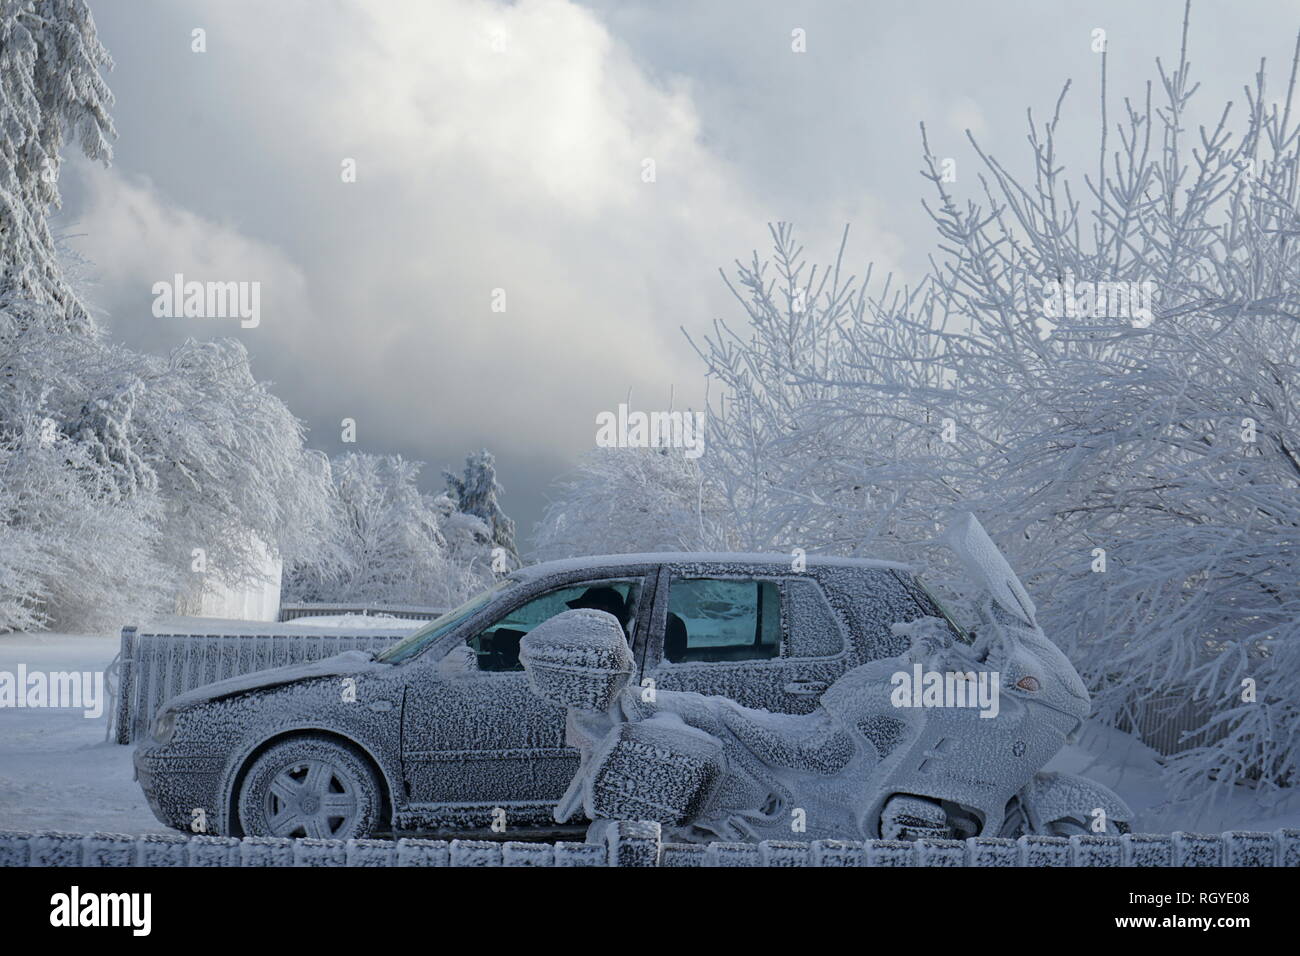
pixel 153 668
pixel 639 844
pixel 412 612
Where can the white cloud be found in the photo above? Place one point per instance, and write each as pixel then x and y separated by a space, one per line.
pixel 478 168
pixel 965 114
pixel 497 146
pixel 133 238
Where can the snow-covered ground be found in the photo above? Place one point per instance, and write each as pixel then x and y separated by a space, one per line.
pixel 57 772
pixel 1132 769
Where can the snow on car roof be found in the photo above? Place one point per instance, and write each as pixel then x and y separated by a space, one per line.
pixel 766 559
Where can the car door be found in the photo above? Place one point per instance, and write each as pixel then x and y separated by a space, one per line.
pixel 764 640
pixel 473 732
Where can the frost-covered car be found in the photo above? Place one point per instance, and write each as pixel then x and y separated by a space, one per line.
pixel 441 731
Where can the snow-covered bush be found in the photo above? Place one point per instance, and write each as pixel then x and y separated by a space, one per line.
pixel 624 500
pixel 21 565
pixel 1105 372
pixel 387 541
pixel 96 562
pixel 804 454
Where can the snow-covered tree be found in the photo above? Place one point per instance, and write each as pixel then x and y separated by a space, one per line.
pixel 123 465
pixel 467 537
pixel 1105 372
pixel 229 462
pixel 80 530
pixel 50 88
pixel 122 472
pixel 624 500
pixel 77 543
pixel 476 491
pixel 388 544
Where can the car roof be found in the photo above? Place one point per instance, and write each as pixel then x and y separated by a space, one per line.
pixel 721 558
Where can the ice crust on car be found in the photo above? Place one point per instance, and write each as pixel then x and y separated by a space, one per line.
pixel 349 662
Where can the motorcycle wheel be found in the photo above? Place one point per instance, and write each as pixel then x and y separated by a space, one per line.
pixel 1016 824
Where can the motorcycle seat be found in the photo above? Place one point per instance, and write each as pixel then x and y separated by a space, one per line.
pixel 806 742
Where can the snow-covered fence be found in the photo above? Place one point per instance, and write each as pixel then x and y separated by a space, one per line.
pixel 411 612
pixel 153 668
pixel 639 844
pixel 1172 723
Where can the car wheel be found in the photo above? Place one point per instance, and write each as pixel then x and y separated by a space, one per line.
pixel 311 786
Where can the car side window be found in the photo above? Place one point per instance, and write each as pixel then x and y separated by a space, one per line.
pixel 812 627
pixel 496 647
pixel 722 619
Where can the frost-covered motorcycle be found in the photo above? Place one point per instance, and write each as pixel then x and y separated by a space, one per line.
pixel 946 740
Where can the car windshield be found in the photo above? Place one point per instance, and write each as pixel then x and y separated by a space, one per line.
pixel 413 644
pixel 962 634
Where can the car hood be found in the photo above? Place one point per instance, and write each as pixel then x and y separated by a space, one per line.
pixel 349 662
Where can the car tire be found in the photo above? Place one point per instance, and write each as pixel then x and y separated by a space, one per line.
pixel 313 786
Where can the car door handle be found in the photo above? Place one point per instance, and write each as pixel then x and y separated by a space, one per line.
pixel 805 688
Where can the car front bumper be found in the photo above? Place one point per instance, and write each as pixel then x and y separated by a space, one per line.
pixel 183 790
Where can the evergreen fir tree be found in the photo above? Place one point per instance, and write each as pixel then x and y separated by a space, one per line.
pixel 50 87
pixel 476 494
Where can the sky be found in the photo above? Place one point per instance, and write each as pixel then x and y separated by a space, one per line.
pixel 503 268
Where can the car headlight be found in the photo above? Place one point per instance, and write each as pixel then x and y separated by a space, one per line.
pixel 164 727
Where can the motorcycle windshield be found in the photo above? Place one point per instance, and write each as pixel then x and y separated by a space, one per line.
pixel 988 569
